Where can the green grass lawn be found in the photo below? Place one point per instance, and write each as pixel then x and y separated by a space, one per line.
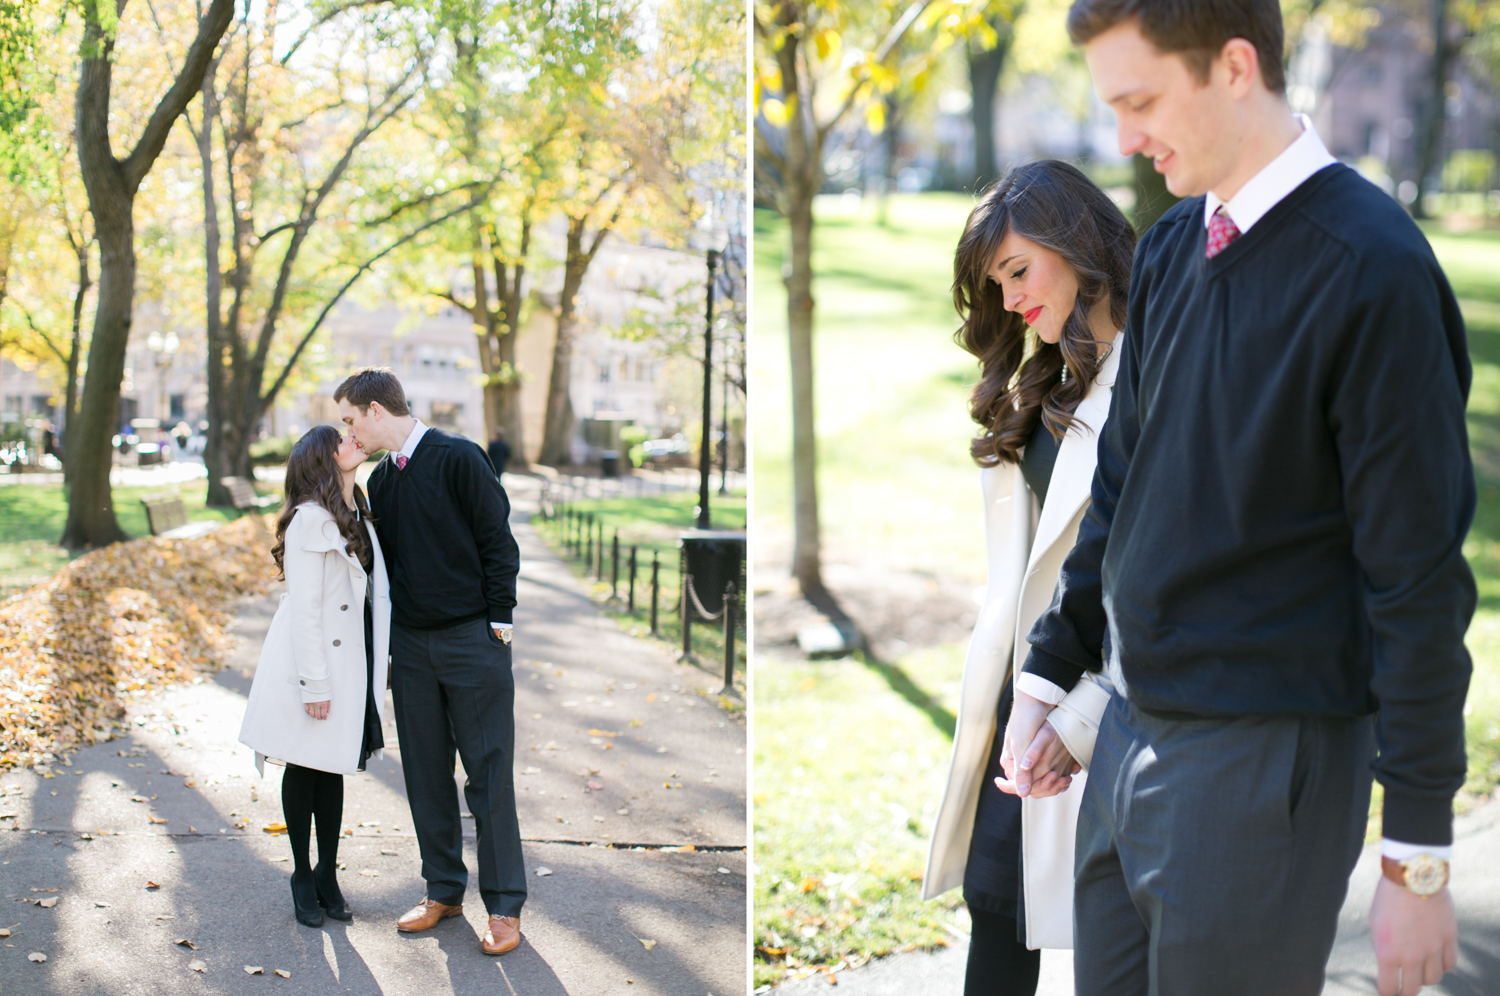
pixel 651 523
pixel 836 749
pixel 32 518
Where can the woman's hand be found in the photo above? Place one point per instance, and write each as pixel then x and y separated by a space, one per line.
pixel 1027 714
pixel 1051 765
pixel 317 710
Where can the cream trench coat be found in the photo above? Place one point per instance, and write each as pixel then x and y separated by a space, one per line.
pixel 315 651
pixel 1025 555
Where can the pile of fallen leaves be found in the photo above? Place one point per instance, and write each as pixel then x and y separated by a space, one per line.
pixel 116 621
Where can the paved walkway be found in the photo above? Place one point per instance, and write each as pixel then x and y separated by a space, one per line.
pixel 1351 969
pixel 618 747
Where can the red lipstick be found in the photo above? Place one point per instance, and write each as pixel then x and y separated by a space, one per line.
pixel 1030 316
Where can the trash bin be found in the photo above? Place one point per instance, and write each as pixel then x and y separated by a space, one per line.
pixel 713 558
pixel 609 463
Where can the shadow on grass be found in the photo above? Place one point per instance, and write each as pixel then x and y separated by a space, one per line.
pixel 902 684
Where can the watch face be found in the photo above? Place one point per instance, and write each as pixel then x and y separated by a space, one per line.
pixel 1425 874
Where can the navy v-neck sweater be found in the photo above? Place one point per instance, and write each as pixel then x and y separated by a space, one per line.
pixel 444 527
pixel 1283 489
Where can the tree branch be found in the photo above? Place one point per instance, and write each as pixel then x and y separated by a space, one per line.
pixel 270 396
pixel 210 29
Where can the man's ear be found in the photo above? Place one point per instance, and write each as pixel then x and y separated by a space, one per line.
pixel 1239 64
pixel 375 410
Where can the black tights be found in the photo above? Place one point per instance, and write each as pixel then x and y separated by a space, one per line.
pixel 305 793
pixel 999 964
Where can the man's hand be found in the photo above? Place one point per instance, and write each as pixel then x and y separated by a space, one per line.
pixel 1027 714
pixel 1416 938
pixel 317 710
pixel 1048 759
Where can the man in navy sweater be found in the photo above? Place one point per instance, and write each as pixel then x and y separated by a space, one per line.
pixel 444 527
pixel 1271 568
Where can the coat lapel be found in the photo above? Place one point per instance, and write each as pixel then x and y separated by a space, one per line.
pixel 1073 473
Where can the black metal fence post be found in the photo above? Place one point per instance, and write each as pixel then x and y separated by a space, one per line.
pixel 588 555
pixel 655 590
pixel 687 616
pixel 630 605
pixel 731 603
pixel 614 566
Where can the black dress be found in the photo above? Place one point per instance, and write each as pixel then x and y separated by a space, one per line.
pixel 374 739
pixel 992 878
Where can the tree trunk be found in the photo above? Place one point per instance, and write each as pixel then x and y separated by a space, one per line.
pixel 510 282
pixel 557 431
pixel 1430 139
pixel 1152 198
pixel 214 450
pixel 984 84
pixel 807 542
pixel 891 140
pixel 112 184
pixel 75 353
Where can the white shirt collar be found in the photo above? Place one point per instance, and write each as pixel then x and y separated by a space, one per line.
pixel 413 438
pixel 1282 175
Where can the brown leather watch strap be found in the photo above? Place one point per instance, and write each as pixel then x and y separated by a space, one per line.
pixel 1391 869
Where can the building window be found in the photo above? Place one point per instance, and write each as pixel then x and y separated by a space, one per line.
pixel 604 372
pixel 447 414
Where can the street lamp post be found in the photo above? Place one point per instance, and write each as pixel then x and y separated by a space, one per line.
pixel 704 449
pixel 724 433
pixel 164 351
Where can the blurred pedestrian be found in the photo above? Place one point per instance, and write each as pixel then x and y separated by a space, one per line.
pixel 499 451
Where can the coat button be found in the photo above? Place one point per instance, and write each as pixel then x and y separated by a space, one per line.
pixel 335 643
pixel 300 682
pixel 343 608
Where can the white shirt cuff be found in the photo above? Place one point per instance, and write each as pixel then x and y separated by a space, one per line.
pixel 496 625
pixel 1040 688
pixel 1399 850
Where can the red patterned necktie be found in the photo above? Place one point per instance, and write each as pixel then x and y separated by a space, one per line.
pixel 1221 232
pixel 401 457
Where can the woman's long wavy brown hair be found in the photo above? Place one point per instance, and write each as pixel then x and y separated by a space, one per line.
pixel 1021 378
pixel 312 474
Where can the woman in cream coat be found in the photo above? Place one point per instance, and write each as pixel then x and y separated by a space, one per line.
pixel 1044 251
pixel 318 698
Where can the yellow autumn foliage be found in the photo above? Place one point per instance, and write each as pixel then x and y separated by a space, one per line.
pixel 115 622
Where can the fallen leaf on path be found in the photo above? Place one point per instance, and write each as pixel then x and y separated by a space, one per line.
pixel 646 942
pixel 622 812
pixel 369 873
pixel 531 771
pixel 37 957
pixel 543 871
pixel 45 890
pixel 371 823
pixel 184 942
pixel 651 697
pixel 603 733
pixel 283 973
pixel 154 819
pixel 152 885
pixel 723 871
pixel 166 916
pixel 254 970
pixel 47 903
pixel 139 798
pixel 274 828
pixel 281 859
pixel 4 931
pixel 102 906
pixel 198 965
pixel 392 853
pixel 594 786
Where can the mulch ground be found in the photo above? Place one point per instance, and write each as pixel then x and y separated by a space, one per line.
pixel 130 617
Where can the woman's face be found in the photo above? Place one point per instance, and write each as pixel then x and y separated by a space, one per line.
pixel 1038 284
pixel 350 454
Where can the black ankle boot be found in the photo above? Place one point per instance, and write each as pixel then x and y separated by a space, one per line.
pixel 305 899
pixel 329 896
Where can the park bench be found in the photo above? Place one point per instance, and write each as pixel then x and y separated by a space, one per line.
pixel 169 519
pixel 242 493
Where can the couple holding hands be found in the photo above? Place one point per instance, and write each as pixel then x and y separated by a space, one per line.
pixel 1227 483
pixel 410 589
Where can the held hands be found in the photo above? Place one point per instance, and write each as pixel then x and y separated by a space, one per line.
pixel 317 710
pixel 1416 938
pixel 1046 768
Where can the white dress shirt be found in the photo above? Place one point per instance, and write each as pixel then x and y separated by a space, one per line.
pixel 1263 191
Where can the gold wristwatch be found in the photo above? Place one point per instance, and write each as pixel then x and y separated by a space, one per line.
pixel 1421 874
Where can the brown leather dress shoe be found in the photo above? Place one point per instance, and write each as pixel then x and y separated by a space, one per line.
pixel 425 915
pixel 502 935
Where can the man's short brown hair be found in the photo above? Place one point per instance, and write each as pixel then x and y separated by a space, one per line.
pixel 373 384
pixel 1193 29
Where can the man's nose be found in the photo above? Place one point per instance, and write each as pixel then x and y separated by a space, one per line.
pixel 1132 140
